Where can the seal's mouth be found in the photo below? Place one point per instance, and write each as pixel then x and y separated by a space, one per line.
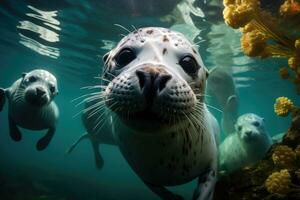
pixel 144 116
pixel 37 97
pixel 148 120
pixel 250 137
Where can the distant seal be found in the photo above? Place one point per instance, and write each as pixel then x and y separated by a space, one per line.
pixel 246 146
pixel 221 86
pixel 31 105
pixel 154 99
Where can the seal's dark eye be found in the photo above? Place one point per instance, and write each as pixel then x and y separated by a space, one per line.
pixel 189 64
pixel 256 123
pixel 124 57
pixel 32 79
pixel 52 89
pixel 239 128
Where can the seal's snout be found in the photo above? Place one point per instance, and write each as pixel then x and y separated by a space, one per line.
pixel 40 91
pixel 37 96
pixel 248 133
pixel 152 81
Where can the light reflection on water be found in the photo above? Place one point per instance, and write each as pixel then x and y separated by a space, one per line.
pixel 47 16
pixel 48 20
pixel 34 45
pixel 44 33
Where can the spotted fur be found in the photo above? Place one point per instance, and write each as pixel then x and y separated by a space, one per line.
pixel 154 102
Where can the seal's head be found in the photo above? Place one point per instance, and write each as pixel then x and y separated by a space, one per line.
pixel 40 87
pixel 156 79
pixel 250 128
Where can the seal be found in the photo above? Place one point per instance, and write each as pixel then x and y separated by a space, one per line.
pixel 221 86
pixel 153 95
pixel 246 146
pixel 94 133
pixel 31 105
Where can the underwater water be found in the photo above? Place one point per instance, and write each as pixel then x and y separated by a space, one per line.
pixel 69 38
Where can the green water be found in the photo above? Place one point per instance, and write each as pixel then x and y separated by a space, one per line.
pixel 69 38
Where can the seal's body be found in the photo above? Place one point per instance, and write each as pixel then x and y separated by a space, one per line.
pixel 154 100
pixel 246 146
pixel 30 105
pixel 95 133
pixel 171 157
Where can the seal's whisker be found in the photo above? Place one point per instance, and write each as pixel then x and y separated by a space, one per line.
pixel 141 38
pixel 19 95
pixel 190 122
pixel 102 78
pixel 93 87
pixel 89 99
pixel 199 110
pixel 202 95
pixel 96 110
pixel 100 119
pixel 195 125
pixel 89 108
pixel 85 95
pixel 89 96
pixel 18 99
pixel 200 41
pixel 114 76
pixel 213 107
pixel 95 105
pixel 198 123
pixel 103 120
pixel 122 27
pixel 197 120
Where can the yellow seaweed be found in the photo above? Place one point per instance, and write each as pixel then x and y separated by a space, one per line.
pixel 283 106
pixel 284 157
pixel 264 34
pixel 279 182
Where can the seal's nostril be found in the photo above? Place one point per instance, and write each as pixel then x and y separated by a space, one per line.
pixel 40 91
pixel 142 78
pixel 162 81
pixel 248 133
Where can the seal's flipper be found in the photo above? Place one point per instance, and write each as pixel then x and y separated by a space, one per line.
pixel 72 147
pixel 163 193
pixel 98 158
pixel 44 141
pixel 206 185
pixel 278 138
pixel 2 98
pixel 230 114
pixel 14 131
pixel 232 103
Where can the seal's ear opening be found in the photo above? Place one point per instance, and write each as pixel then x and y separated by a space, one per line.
pixel 105 57
pixel 24 74
pixel 206 73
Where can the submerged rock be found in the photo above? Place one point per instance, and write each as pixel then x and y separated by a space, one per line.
pixel 250 183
